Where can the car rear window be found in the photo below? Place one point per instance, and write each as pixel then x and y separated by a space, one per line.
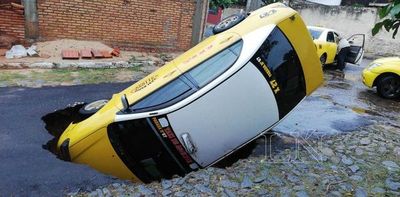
pixel 315 33
pixel 286 78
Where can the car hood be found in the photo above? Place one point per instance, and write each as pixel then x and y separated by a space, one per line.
pixel 388 60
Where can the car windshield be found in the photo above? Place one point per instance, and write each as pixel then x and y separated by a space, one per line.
pixel 315 34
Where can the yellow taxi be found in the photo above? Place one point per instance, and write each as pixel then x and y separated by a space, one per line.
pixel 326 43
pixel 384 73
pixel 204 105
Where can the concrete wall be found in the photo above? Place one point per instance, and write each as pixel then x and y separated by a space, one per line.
pixel 352 20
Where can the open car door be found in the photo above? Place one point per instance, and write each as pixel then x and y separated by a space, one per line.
pixel 356 53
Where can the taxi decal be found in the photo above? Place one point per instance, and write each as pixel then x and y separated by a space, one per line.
pixel 164 129
pixel 266 72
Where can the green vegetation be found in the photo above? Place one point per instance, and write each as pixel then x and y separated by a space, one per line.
pixel 222 3
pixel 76 76
pixel 389 18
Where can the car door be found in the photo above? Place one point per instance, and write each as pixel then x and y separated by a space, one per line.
pixel 356 53
pixel 228 116
pixel 331 47
pixel 244 105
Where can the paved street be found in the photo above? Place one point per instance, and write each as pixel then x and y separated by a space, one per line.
pixel 341 105
pixel 26 168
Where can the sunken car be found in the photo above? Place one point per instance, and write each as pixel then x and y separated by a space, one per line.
pixel 204 105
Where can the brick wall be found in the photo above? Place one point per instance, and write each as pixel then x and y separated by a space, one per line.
pixel 11 20
pixel 151 25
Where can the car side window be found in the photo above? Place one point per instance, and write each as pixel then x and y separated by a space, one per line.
pixel 167 95
pixel 336 37
pixel 330 37
pixel 210 69
pixel 189 82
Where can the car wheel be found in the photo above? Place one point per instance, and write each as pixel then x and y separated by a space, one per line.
pixel 93 107
pixel 228 23
pixel 323 59
pixel 389 86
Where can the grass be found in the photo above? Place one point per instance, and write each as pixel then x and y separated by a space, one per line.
pixel 54 77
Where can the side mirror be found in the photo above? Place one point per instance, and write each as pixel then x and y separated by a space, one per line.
pixel 351 42
pixel 125 103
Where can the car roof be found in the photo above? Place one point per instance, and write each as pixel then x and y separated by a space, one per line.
pixel 320 28
pixel 276 13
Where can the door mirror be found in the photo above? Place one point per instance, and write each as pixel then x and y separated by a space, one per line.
pixel 125 103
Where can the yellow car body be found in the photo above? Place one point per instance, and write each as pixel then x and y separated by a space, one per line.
pixel 325 41
pixel 88 142
pixel 379 69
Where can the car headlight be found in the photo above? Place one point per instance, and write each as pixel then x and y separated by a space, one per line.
pixel 373 65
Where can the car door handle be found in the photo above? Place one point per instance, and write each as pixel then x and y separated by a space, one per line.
pixel 188 144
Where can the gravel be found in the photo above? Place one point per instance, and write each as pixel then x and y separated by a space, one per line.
pixel 354 174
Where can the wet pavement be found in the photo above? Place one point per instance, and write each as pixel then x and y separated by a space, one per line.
pixel 343 104
pixel 26 168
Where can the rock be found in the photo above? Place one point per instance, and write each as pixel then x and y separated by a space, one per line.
pixel 335 193
pixel 116 185
pixel 359 151
pixel 356 178
pixel 354 168
pixel 92 194
pixel 229 184
pixel 259 179
pixel 106 192
pixel 360 192
pixel 229 193
pixel 274 181
pixel 179 194
pixel 203 189
pixel 144 190
pixel 166 184
pixel 390 165
pixel 166 192
pixel 17 51
pixel 365 141
pixel 335 160
pixel 396 151
pixel 346 187
pixel 392 185
pixel 99 193
pixel 285 191
pixel 327 152
pixel 293 178
pixel 378 190
pixel 246 183
pixel 347 161
pixel 301 194
pixel 31 51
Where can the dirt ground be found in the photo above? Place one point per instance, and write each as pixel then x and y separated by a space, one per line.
pixel 50 51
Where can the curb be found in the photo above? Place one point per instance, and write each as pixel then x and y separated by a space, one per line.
pixel 50 65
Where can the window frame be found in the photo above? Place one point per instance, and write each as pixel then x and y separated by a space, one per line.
pixel 333 36
pixel 188 80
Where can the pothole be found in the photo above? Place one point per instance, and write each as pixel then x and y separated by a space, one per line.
pixel 56 123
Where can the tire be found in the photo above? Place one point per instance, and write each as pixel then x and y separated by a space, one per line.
pixel 388 86
pixel 93 107
pixel 322 59
pixel 228 23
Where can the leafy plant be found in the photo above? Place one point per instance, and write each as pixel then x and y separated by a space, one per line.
pixel 389 18
pixel 222 3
